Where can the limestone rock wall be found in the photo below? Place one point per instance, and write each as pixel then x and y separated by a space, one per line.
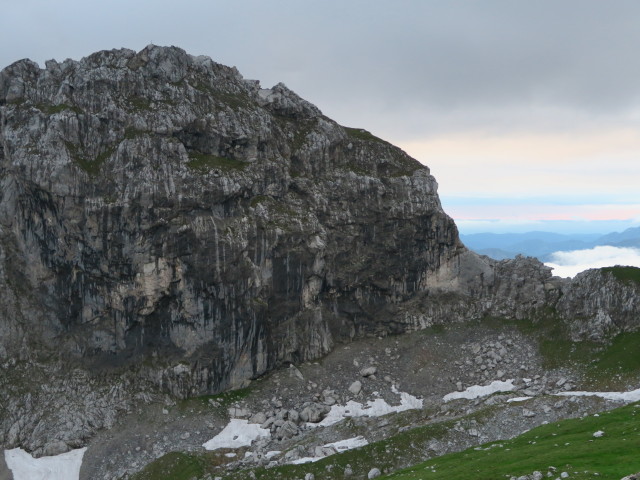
pixel 157 205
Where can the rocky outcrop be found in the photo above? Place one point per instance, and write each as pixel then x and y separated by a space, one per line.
pixel 158 206
pixel 598 304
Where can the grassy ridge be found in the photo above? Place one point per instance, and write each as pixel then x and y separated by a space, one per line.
pixel 625 274
pixel 568 445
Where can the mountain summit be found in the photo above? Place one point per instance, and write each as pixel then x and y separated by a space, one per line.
pixel 156 203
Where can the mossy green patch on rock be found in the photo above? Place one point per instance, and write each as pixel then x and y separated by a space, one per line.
pixel 257 200
pixel 131 133
pixel 52 109
pixel 362 134
pixel 140 103
pixel 204 163
pixel 220 401
pixel 90 166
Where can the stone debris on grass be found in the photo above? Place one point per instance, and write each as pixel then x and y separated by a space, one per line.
pixel 65 466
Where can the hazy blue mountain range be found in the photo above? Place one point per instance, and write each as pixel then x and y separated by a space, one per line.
pixel 542 244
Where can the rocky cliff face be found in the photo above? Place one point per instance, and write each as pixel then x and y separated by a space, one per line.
pixel 156 204
pixel 160 212
pixel 600 303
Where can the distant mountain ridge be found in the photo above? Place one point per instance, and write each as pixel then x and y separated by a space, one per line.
pixel 501 246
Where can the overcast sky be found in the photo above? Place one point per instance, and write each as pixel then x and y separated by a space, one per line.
pixel 527 112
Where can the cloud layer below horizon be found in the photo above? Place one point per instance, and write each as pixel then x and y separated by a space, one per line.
pixel 569 264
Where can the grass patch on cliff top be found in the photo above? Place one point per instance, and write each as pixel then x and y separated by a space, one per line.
pixel 362 134
pixel 568 445
pixel 205 163
pixel 625 274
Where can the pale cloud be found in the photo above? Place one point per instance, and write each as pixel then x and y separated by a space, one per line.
pixel 569 264
pixel 499 225
pixel 521 212
pixel 598 163
pixel 540 147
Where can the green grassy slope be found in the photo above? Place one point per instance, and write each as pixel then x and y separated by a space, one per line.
pixel 568 445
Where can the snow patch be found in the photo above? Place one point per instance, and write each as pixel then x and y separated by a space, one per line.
pixel 481 391
pixel 373 408
pixel 65 466
pixel 518 399
pixel 348 444
pixel 300 461
pixel 340 446
pixel 238 433
pixel 632 396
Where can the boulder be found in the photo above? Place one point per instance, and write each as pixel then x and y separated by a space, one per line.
pixel 314 413
pixel 355 387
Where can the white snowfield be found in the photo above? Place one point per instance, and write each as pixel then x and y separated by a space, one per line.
pixel 632 396
pixel 481 391
pixel 59 467
pixel 373 408
pixel 340 446
pixel 519 399
pixel 238 433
